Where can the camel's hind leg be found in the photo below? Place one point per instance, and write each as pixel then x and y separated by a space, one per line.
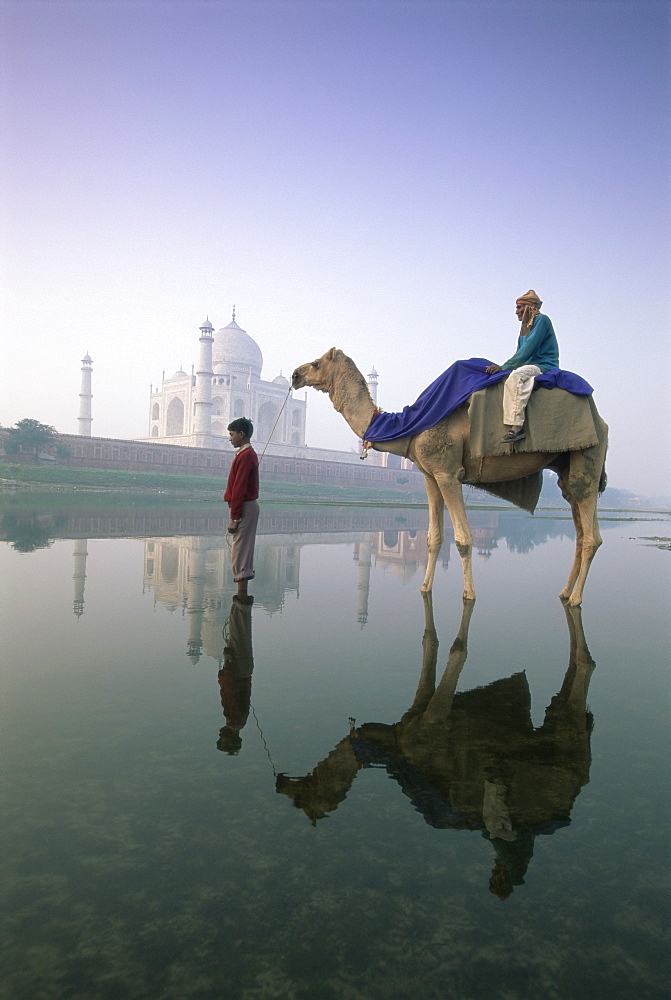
pixel 574 690
pixel 453 496
pixel 435 536
pixel 581 489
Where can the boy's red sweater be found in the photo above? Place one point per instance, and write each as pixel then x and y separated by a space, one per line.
pixel 243 481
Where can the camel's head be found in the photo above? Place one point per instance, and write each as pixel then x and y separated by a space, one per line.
pixel 317 373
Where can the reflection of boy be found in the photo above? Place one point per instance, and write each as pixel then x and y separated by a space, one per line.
pixel 235 677
pixel 242 491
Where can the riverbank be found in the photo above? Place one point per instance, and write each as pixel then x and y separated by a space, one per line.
pixel 110 484
pixel 56 486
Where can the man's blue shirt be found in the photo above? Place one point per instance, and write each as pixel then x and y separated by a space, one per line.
pixel 539 347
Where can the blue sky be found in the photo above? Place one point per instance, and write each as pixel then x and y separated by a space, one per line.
pixel 385 177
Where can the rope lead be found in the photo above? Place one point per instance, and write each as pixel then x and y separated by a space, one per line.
pixel 275 424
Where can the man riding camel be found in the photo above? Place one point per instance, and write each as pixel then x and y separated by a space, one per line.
pixel 537 352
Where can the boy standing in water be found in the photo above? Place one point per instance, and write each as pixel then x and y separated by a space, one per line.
pixel 241 495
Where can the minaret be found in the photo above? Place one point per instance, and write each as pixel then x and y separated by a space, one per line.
pixel 371 378
pixel 85 396
pixel 202 425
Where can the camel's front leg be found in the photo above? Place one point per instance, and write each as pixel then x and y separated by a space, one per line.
pixel 440 706
pixel 577 558
pixel 427 678
pixel 435 537
pixel 454 500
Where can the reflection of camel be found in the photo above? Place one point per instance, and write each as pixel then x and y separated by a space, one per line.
pixel 235 676
pixel 473 760
pixel 442 454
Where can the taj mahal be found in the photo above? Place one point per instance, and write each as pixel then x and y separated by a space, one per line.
pixel 194 410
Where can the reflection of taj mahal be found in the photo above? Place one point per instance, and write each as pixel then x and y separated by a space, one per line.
pixel 191 574
pixel 194 574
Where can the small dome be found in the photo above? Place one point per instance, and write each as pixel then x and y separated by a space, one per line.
pixel 87 360
pixel 219 369
pixel 233 346
pixel 281 380
pixel 180 374
pixel 206 325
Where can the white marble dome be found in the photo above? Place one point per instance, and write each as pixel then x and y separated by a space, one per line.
pixel 234 347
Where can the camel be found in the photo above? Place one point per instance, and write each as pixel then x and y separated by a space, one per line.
pixel 442 454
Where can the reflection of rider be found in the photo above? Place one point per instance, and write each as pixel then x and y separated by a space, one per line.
pixel 235 677
pixel 514 848
pixel 563 744
pixel 512 861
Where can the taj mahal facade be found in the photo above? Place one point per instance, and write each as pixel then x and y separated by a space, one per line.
pixel 189 414
pixel 194 410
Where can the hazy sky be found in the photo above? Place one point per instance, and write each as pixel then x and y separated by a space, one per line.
pixel 385 177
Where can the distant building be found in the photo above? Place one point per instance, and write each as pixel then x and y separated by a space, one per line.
pixel 195 410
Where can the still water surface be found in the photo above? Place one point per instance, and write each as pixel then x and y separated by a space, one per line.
pixel 346 791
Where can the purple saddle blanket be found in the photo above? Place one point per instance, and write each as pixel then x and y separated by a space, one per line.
pixel 453 388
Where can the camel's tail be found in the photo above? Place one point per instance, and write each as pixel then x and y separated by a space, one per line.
pixel 603 482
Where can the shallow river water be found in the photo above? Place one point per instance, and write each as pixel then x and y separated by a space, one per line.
pixel 345 791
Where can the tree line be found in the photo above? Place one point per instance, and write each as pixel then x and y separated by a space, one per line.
pixel 32 437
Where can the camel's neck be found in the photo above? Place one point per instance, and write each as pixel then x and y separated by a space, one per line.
pixel 350 397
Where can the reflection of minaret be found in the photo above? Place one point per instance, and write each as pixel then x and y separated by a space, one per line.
pixel 196 597
pixel 362 553
pixel 85 396
pixel 203 405
pixel 79 575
